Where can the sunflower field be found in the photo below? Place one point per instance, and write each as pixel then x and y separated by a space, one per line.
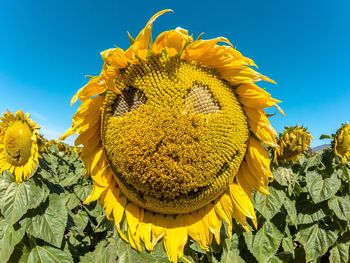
pixel 175 160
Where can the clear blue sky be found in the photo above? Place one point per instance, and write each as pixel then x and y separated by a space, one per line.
pixel 47 47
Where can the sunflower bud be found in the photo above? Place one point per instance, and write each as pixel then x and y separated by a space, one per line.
pixel 293 142
pixel 341 143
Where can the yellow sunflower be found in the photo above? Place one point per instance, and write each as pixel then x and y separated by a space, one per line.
pixel 341 142
pixel 172 134
pixel 18 145
pixel 293 142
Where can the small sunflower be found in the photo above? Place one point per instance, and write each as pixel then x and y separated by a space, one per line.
pixel 18 145
pixel 341 142
pixel 172 134
pixel 293 142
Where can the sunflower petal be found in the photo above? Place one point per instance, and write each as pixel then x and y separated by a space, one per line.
pixel 145 230
pixel 257 159
pixel 134 215
pixel 250 95
pixel 248 181
pixel 175 237
pixel 172 41
pixel 140 46
pixel 158 226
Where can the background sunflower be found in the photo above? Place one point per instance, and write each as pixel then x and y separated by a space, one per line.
pixel 18 145
pixel 292 142
pixel 341 142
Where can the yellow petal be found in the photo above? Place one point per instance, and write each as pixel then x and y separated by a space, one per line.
pixel 172 41
pixel 145 230
pixel 158 226
pixel 109 199
pixel 248 181
pixel 118 213
pixel 224 208
pixel 140 46
pixel 175 237
pixel 252 96
pixel 92 88
pixel 260 125
pixel 214 222
pixel 115 57
pixel 257 158
pixel 18 172
pixel 95 194
pixel 241 200
pixel 198 228
pixel 134 215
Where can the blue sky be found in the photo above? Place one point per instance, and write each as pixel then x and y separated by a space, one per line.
pixel 47 47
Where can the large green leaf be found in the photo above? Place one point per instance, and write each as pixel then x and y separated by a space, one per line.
pixel 285 177
pixel 269 205
pixel 321 189
pixel 17 199
pixel 315 241
pixel 10 238
pixel 46 254
pixel 340 253
pixel 340 206
pixel 48 221
pixel 309 212
pixel 265 243
pixel 314 160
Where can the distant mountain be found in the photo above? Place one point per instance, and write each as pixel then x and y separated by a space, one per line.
pixel 320 147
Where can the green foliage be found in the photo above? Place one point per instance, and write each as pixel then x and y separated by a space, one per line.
pixel 44 219
pixel 304 219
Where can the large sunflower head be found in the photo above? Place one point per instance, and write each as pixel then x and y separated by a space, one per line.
pixel 341 142
pixel 18 145
pixel 293 142
pixel 174 136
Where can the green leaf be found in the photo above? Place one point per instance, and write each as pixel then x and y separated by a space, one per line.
pixel 80 220
pixel 104 252
pixel 321 189
pixel 73 201
pixel 325 136
pixel 127 254
pixel 314 160
pixel 10 238
pixel 48 221
pixel 82 191
pixel 315 241
pixel 309 212
pixel 46 254
pixel 17 199
pixel 287 243
pixel 103 224
pixel 265 243
pixel 340 206
pixel 231 251
pixel 197 248
pixel 340 253
pixel 284 176
pixel 269 205
pixel 290 207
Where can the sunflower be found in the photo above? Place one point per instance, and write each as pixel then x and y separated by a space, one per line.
pixel 341 142
pixel 293 142
pixel 174 136
pixel 18 145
